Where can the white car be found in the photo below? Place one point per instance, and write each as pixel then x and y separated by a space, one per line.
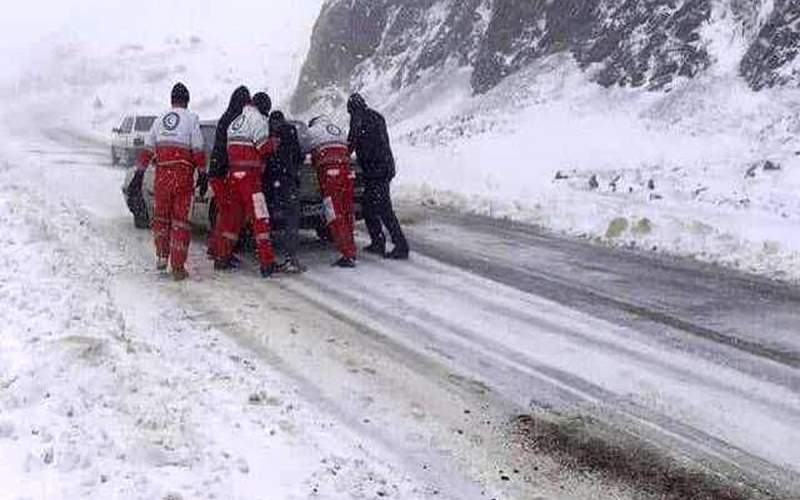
pixel 204 209
pixel 127 139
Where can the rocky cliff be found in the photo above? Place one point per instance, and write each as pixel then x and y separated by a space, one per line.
pixel 636 43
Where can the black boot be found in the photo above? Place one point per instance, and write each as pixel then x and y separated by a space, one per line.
pixel 376 248
pixel 268 271
pixel 398 253
pixel 180 274
pixel 345 262
pixel 292 266
pixel 230 264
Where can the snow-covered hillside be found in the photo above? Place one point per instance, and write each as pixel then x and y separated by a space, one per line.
pixel 651 137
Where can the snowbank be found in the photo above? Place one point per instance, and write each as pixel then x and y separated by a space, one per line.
pixel 708 171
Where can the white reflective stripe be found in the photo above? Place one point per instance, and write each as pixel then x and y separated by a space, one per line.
pixel 175 163
pixel 181 225
pixel 331 144
pixel 240 141
pixel 262 237
pixel 174 144
pixel 334 172
pixel 239 175
pixel 230 236
pixel 260 206
pixel 246 164
pixel 330 212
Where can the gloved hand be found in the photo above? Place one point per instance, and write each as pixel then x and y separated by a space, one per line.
pixel 202 184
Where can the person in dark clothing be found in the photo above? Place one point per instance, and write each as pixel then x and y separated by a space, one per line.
pixel 282 188
pixel 263 103
pixel 218 170
pixel 369 139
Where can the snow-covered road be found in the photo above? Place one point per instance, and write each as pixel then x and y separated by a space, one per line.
pixel 436 378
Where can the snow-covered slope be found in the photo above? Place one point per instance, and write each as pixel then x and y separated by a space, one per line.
pixel 90 72
pixel 630 43
pixel 665 125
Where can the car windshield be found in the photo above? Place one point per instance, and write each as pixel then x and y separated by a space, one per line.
pixel 126 126
pixel 143 123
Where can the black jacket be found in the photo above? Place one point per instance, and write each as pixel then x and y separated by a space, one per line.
pixel 218 166
pixel 284 165
pixel 370 140
pixel 219 153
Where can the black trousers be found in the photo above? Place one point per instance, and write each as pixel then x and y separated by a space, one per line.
pixel 285 205
pixel 379 213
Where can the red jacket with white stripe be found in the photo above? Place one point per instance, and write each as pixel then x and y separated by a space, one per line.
pixel 249 143
pixel 327 144
pixel 175 140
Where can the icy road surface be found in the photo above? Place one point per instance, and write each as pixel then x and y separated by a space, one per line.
pixel 400 380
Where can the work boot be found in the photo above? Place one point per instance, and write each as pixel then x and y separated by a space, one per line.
pixel 162 263
pixel 345 263
pixel 268 271
pixel 230 264
pixel 398 254
pixel 179 274
pixel 292 266
pixel 376 248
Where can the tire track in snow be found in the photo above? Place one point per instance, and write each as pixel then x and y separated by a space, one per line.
pixel 532 276
pixel 475 353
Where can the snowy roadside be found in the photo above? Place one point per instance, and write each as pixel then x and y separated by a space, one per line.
pixel 707 172
pixel 111 388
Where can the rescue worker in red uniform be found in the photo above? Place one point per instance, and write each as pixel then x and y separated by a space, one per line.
pixel 330 155
pixel 249 146
pixel 218 170
pixel 175 145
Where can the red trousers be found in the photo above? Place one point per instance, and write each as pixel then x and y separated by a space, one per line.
pixel 337 182
pixel 247 204
pixel 222 203
pixel 174 194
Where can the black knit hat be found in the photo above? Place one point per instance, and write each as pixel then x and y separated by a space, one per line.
pixel 356 104
pixel 263 103
pixel 180 94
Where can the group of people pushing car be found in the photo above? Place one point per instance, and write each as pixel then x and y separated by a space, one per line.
pixel 254 169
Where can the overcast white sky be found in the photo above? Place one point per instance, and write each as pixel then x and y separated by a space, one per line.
pixel 29 29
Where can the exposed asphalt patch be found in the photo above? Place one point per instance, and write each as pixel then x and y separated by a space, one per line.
pixel 579 444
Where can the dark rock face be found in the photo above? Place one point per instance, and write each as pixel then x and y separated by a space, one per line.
pixel 648 44
pixel 400 38
pixel 516 35
pixel 776 46
pixel 345 34
pixel 636 43
pixel 633 42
